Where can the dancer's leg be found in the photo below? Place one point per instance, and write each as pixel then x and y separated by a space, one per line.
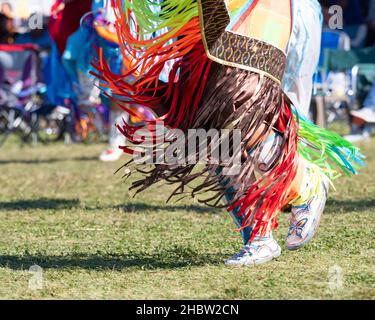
pixel 308 193
pixel 116 139
pixel 263 248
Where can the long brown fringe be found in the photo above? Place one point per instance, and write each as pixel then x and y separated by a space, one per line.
pixel 252 103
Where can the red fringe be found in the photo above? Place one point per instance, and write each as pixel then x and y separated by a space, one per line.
pixel 265 199
pixel 145 61
pixel 181 98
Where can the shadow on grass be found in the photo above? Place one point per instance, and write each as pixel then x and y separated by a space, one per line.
pixel 173 259
pixel 333 206
pixel 42 203
pixel 61 204
pixel 46 161
pixel 138 207
pixel 347 206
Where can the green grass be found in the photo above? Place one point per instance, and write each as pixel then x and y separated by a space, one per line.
pixel 65 211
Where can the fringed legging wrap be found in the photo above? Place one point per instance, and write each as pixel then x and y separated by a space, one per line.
pixel 203 94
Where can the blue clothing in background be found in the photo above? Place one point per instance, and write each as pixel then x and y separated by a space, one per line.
pixel 60 86
pixel 78 53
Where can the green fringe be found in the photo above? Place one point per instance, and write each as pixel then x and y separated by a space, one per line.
pixel 324 147
pixel 152 16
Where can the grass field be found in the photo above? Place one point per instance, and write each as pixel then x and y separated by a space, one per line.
pixel 66 212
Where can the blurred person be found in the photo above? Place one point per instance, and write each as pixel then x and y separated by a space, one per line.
pixel 64 21
pixel 6 9
pixel 6 30
pixel 109 43
pixel 371 24
pixel 5 36
pixel 354 21
pixel 303 53
pixel 81 49
pixel 363 121
pixel 210 89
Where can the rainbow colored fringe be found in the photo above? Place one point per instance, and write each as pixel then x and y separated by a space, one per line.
pixel 321 146
pixel 151 36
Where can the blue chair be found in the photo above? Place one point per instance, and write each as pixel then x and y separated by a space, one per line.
pixel 331 40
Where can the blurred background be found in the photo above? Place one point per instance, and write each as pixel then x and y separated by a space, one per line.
pixel 62 209
pixel 41 39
